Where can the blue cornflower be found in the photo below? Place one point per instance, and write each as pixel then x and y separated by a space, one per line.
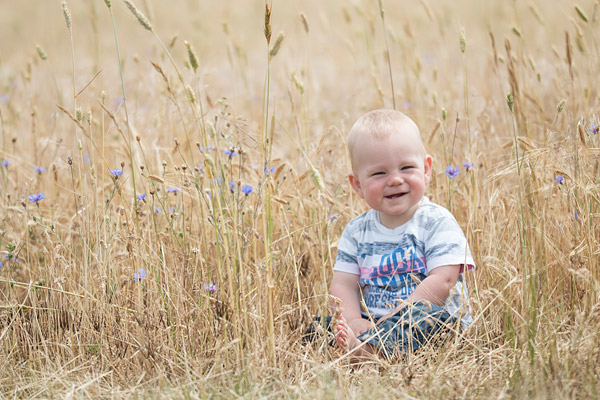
pixel 468 165
pixel 173 190
pixel 269 170
pixel 230 153
pixel 1 264
pixel 231 186
pixel 116 172
pixel 247 189
pixel 36 198
pixel 5 163
pixel 211 287
pixel 559 179
pixel 10 257
pixel 40 170
pixel 157 210
pixel 594 129
pixel 138 276
pixel 207 148
pixel 452 172
pixel 141 197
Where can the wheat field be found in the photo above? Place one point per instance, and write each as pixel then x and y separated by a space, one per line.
pixel 174 183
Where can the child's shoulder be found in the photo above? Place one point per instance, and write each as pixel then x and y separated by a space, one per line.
pixel 363 218
pixel 430 212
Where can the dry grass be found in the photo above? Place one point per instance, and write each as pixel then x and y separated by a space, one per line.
pixel 75 323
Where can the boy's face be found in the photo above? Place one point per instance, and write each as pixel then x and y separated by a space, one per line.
pixel 391 173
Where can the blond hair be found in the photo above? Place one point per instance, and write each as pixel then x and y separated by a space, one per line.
pixel 380 124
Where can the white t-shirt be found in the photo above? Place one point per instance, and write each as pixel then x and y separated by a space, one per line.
pixel 392 262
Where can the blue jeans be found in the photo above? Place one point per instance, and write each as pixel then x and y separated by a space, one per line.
pixel 408 329
pixel 404 332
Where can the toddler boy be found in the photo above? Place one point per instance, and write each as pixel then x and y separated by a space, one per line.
pixel 398 272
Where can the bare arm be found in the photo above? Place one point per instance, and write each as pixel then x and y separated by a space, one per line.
pixel 435 288
pixel 345 286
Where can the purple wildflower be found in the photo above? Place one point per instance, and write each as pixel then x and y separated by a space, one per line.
pixel 211 287
pixel 40 170
pixel 594 129
pixel 559 179
pixel 36 198
pixel 116 173
pixel 468 165
pixel 138 276
pixel 231 186
pixel 5 163
pixel 247 189
pixel 452 172
pixel 207 148
pixel 141 197
pixel 11 257
pixel 230 153
pixel 173 190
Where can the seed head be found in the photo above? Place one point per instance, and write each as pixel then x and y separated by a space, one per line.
pixel 298 83
pixel 463 41
pixel 41 52
pixel 581 14
pixel 304 23
pixel 107 2
pixel 66 13
pixel 267 23
pixel 316 176
pixel 139 15
pixel 510 101
pixel 192 55
pixel 277 45
pixel 190 94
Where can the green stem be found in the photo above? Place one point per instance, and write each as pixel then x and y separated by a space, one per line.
pixel 387 51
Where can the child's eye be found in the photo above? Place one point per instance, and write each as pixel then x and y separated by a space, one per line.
pixel 407 167
pixel 377 173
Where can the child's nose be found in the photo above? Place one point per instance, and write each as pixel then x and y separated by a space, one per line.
pixel 396 179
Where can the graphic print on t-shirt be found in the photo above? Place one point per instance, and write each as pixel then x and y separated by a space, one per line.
pixel 395 277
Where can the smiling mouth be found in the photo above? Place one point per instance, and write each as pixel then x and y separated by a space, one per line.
pixel 395 196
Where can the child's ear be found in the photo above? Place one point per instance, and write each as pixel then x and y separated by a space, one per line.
pixel 428 168
pixel 355 183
